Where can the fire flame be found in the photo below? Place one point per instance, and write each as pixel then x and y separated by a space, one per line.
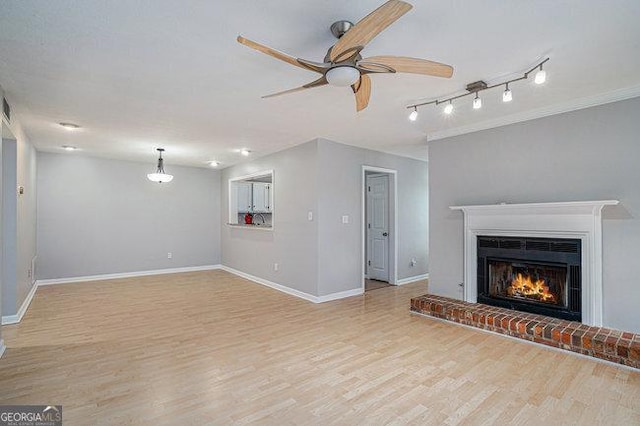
pixel 523 286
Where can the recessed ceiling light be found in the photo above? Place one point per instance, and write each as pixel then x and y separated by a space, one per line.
pixel 70 126
pixel 214 163
pixel 245 152
pixel 69 148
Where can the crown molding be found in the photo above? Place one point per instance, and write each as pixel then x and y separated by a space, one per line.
pixel 573 105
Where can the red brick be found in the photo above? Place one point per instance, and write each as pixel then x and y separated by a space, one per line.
pixel 610 344
pixel 634 351
pixel 555 334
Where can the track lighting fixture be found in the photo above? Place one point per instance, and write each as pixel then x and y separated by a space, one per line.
pixel 507 96
pixel 448 109
pixel 479 86
pixel 414 114
pixel 541 76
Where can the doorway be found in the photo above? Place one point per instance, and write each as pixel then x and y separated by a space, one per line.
pixel 379 201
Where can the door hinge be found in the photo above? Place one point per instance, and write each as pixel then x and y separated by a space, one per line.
pixel 369 262
pixel 369 226
pixel 369 189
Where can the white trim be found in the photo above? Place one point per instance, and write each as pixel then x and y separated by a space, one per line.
pixel 33 269
pixel 574 219
pixel 2 347
pixel 339 295
pixel 127 275
pixel 16 318
pixel 413 279
pixel 572 105
pixel 293 292
pixel 275 286
pixel 393 278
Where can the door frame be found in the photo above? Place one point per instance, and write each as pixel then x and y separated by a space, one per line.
pixel 393 221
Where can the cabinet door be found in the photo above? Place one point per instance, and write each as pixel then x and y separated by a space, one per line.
pixel 244 197
pixel 267 198
pixel 259 202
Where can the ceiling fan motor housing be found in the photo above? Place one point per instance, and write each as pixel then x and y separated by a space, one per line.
pixel 339 28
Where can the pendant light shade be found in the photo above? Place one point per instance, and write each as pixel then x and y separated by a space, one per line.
pixel 160 176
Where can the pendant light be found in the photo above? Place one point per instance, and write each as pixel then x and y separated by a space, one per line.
pixel 160 176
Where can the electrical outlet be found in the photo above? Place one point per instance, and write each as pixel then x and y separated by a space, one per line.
pixel 345 219
pixel 29 273
pixel 310 215
pixel 275 266
pixel 169 255
pixel 413 262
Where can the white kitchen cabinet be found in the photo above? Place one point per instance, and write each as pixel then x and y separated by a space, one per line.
pixel 245 201
pixel 261 197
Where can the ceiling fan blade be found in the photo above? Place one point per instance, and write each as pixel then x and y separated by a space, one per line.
pixel 362 90
pixel 319 82
pixel 272 52
pixel 410 65
pixel 370 26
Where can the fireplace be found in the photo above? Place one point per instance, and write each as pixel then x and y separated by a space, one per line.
pixel 537 275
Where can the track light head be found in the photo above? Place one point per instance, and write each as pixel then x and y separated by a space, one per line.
pixel 448 109
pixel 477 102
pixel 541 76
pixel 414 114
pixel 507 96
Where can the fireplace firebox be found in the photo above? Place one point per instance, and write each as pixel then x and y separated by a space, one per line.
pixel 537 275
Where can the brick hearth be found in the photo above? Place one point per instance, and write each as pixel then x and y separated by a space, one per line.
pixel 612 345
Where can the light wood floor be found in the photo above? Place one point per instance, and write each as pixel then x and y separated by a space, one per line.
pixel 211 348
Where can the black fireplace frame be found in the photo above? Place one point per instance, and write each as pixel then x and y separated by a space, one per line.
pixel 550 251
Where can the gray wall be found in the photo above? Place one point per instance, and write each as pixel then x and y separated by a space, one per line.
pixel 19 216
pixel 591 154
pixel 340 193
pixel 293 241
pixel 27 220
pixel 99 216
pixel 324 256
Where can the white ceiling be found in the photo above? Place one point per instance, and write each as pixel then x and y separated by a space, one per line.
pixel 142 74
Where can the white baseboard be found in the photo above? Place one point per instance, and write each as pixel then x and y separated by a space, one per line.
pixel 2 347
pixel 291 291
pixel 340 295
pixel 14 319
pixel 127 275
pixel 412 279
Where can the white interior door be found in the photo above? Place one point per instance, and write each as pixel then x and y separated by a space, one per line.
pixel 378 227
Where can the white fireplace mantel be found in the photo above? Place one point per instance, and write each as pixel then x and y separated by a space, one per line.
pixel 573 219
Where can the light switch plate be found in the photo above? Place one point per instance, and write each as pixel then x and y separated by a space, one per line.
pixel 345 219
pixel 310 215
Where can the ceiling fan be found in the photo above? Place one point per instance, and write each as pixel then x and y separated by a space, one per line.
pixel 344 66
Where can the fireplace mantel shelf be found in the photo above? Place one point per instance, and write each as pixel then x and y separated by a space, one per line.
pixel 558 207
pixel 571 219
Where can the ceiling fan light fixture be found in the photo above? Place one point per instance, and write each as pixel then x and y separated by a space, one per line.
pixel 342 76
pixel 160 176
pixel 414 114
